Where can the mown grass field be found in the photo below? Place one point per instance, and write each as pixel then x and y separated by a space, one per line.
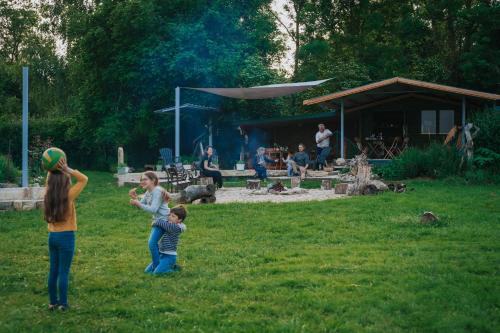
pixel 354 265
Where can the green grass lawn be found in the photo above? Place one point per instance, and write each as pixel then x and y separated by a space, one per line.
pixel 360 264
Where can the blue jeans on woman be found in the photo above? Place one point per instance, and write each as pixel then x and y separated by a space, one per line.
pixel 154 238
pixel 61 250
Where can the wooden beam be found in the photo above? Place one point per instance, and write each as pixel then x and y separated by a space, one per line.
pixel 407 82
pixel 436 99
pixel 384 101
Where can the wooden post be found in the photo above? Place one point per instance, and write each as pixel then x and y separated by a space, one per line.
pixel 294 182
pixel 341 188
pixel 206 180
pixel 326 184
pixel 121 157
pixel 253 184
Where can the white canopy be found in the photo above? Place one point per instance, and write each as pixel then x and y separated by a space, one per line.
pixel 262 92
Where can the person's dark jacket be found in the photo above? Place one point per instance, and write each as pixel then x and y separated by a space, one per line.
pixel 301 158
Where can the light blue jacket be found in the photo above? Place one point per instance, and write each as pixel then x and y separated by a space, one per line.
pixel 153 203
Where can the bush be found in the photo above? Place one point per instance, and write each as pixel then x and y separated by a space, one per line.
pixel 488 122
pixel 436 161
pixel 479 176
pixel 8 172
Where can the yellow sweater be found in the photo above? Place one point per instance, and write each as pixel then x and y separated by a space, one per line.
pixel 70 223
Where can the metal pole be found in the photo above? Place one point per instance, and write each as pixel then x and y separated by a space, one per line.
pixel 463 120
pixel 177 123
pixel 341 128
pixel 25 129
pixel 210 136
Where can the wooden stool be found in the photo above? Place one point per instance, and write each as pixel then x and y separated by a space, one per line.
pixel 294 182
pixel 341 188
pixel 253 184
pixel 206 180
pixel 326 184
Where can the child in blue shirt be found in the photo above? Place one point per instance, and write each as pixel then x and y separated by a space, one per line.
pixel 155 201
pixel 289 163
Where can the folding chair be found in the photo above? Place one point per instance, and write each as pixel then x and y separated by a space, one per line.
pixel 166 156
pixel 392 151
pixel 404 146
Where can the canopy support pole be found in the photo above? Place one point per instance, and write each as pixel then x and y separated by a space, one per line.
pixel 210 129
pixel 342 128
pixel 177 124
pixel 25 129
pixel 463 119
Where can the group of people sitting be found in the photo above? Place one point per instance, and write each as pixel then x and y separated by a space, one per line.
pixel 297 163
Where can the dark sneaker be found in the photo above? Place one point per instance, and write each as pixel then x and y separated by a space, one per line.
pixel 63 308
pixel 177 268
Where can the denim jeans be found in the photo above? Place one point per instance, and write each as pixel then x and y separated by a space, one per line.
pixel 261 172
pixel 154 238
pixel 167 262
pixel 289 170
pixel 61 250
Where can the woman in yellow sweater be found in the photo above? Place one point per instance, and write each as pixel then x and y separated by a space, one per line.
pixel 60 215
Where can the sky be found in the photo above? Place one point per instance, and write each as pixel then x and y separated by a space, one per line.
pixel 286 63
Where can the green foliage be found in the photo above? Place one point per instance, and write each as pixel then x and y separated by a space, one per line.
pixel 482 176
pixel 352 265
pixel 488 122
pixel 485 158
pixel 435 161
pixel 450 42
pixel 8 172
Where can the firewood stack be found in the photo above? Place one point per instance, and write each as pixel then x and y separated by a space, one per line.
pixel 276 187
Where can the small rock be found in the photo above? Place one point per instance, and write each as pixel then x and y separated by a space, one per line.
pixel 340 161
pixel 428 218
pixel 380 185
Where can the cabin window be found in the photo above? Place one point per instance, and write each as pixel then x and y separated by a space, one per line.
pixel 428 122
pixel 446 121
pixel 431 120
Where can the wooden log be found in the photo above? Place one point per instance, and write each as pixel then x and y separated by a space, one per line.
pixel 206 200
pixel 341 188
pixel 206 181
pixel 253 184
pixel 326 184
pixel 194 192
pixel 294 182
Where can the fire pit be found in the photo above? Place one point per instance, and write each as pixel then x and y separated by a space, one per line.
pixel 276 187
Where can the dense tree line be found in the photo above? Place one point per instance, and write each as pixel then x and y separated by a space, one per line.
pixel 123 58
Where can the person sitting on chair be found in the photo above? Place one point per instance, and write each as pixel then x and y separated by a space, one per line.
pixel 259 163
pixel 210 170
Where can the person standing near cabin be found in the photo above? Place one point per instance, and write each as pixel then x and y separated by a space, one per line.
pixel 60 214
pixel 210 170
pixel 322 145
pixel 259 163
